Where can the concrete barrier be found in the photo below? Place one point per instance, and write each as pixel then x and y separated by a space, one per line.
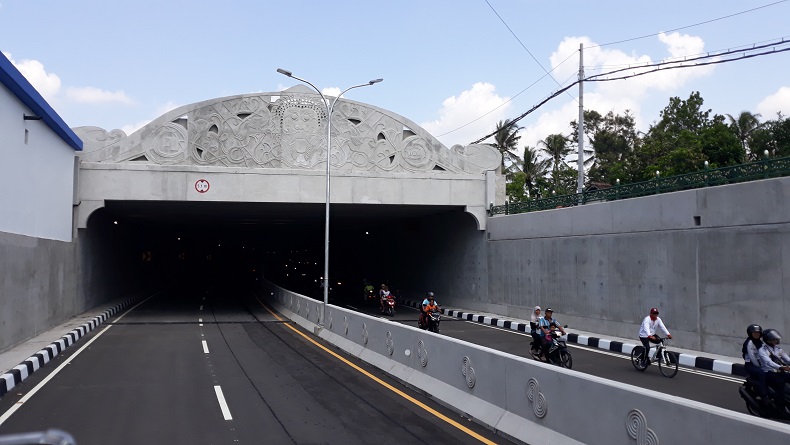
pixel 527 400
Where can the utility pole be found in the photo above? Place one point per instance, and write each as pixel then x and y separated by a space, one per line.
pixel 580 164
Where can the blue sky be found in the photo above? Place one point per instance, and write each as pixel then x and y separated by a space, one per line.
pixel 446 63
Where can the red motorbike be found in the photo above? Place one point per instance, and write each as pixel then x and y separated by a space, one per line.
pixel 389 306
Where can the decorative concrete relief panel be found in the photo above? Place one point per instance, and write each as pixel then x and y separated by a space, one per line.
pixel 540 406
pixel 468 372
pixel 636 425
pixel 286 130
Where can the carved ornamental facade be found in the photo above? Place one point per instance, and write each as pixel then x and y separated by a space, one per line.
pixel 286 130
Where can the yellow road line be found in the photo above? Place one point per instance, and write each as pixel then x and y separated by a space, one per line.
pixel 383 383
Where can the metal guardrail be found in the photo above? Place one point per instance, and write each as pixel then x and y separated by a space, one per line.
pixel 49 437
pixel 770 168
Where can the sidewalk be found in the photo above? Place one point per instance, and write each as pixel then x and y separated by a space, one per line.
pixel 688 358
pixel 22 360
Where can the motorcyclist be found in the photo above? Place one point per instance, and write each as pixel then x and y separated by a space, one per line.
pixel 384 293
pixel 428 305
pixel 776 365
pixel 546 324
pixel 647 332
pixel 751 360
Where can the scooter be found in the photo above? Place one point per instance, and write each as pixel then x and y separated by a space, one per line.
pixel 558 351
pixel 749 393
pixel 389 306
pixel 431 321
pixel 370 296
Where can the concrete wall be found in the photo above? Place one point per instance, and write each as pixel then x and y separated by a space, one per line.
pixel 533 402
pixel 602 266
pixel 45 282
pixel 36 175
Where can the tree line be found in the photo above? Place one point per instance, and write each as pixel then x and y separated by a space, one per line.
pixel 684 138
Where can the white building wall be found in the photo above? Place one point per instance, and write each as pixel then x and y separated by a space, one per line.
pixel 36 176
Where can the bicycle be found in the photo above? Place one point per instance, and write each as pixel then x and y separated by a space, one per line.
pixel 667 361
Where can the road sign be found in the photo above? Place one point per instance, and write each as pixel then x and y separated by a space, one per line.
pixel 202 186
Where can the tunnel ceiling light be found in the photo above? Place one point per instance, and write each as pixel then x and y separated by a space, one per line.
pixel 115 222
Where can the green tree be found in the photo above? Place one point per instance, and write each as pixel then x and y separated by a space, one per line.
pixel 534 169
pixel 613 138
pixel 506 141
pixel 683 139
pixel 743 126
pixel 773 136
pixel 556 147
pixel 516 187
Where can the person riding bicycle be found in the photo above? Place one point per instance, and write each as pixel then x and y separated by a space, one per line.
pixel 776 365
pixel 428 305
pixel 546 325
pixel 384 293
pixel 752 360
pixel 647 332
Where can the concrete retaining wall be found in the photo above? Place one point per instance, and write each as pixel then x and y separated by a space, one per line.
pixel 530 401
pixel 712 260
pixel 45 282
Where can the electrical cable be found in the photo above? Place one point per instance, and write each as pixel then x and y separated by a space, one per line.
pixel 688 26
pixel 657 67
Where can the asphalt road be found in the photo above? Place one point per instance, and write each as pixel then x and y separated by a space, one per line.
pixel 706 387
pixel 200 367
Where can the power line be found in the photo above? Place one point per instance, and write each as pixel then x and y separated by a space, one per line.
pixel 525 47
pixel 658 67
pixel 689 26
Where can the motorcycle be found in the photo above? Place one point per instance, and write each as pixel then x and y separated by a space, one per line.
pixel 389 306
pixel 558 351
pixel 431 321
pixel 749 393
pixel 370 296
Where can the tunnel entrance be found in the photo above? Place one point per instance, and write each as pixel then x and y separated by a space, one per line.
pixel 224 244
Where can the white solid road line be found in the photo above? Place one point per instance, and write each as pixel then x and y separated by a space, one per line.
pixel 205 347
pixel 222 404
pixel 32 392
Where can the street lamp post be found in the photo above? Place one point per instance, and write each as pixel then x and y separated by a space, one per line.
pixel 329 109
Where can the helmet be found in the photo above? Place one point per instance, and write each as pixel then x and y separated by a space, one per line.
pixel 430 294
pixel 654 311
pixel 548 309
pixel 754 328
pixel 771 334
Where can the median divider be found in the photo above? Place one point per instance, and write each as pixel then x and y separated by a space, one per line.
pixel 521 398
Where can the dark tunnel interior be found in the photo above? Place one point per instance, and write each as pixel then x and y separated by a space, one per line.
pixel 152 244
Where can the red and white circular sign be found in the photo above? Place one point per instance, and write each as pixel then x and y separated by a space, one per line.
pixel 202 186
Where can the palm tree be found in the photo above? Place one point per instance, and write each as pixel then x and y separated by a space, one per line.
pixel 556 146
pixel 506 141
pixel 534 168
pixel 743 127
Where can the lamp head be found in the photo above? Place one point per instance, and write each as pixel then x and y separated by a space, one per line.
pixel 375 81
pixel 285 72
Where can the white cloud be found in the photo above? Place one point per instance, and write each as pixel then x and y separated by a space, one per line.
pixel 47 84
pixel 94 95
pixel 619 95
pixel 468 110
pixel 779 101
pixel 331 91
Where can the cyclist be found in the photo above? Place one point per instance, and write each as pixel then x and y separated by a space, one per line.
pixel 752 360
pixel 776 365
pixel 647 332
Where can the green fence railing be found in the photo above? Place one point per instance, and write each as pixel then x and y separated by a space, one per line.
pixel 769 168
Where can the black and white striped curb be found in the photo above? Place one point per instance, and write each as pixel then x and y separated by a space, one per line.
pixel 689 360
pixel 22 371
